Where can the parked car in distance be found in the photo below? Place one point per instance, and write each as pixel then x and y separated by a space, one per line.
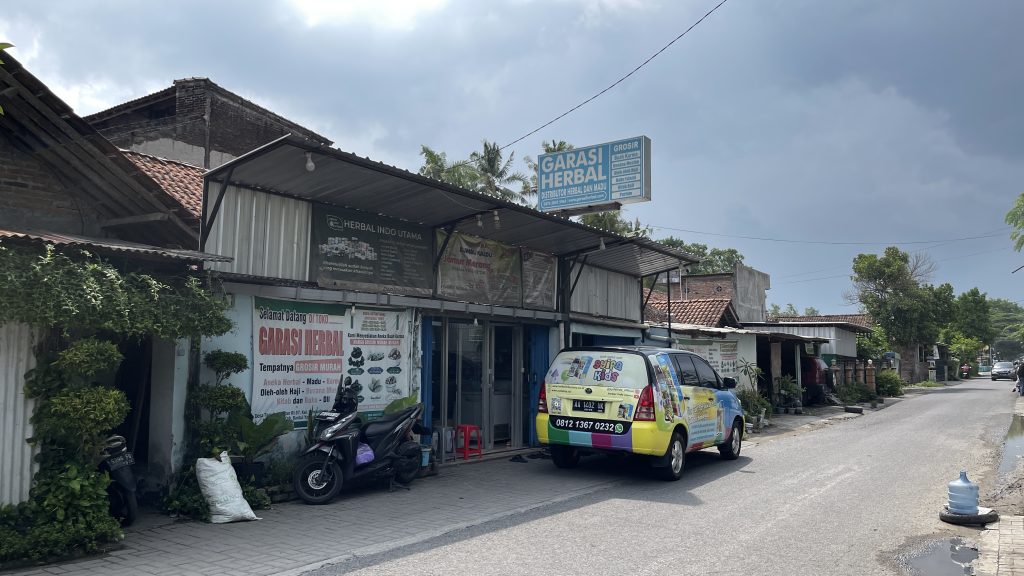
pixel 656 402
pixel 1003 370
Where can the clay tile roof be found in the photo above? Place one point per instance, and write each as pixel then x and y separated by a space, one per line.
pixel 855 319
pixel 702 312
pixel 182 181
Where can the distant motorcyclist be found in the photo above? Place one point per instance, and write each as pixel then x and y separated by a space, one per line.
pixel 965 371
pixel 1019 388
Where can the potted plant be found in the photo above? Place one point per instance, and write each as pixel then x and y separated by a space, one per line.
pixel 255 440
pixel 792 394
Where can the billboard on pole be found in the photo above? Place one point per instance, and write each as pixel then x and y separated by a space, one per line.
pixel 595 178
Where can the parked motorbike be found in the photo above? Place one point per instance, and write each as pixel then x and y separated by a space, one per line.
pixel 117 461
pixel 336 457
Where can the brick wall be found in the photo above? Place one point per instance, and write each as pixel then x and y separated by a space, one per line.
pixel 32 197
pixel 710 286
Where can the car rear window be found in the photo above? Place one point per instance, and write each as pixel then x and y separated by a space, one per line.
pixel 598 368
pixel 1004 365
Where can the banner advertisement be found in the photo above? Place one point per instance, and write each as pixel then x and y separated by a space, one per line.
pixel 595 177
pixel 539 278
pixel 303 350
pixel 360 251
pixel 723 355
pixel 477 270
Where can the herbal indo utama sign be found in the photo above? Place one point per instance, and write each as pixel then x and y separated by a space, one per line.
pixel 303 350
pixel 595 177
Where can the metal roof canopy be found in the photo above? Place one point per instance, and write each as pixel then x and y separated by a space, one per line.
pixel 346 180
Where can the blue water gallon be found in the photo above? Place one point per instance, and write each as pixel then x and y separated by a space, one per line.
pixel 963 495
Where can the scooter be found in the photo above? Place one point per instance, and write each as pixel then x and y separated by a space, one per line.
pixel 117 461
pixel 965 373
pixel 341 452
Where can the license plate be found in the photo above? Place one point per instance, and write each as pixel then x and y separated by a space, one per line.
pixel 588 406
pixel 121 461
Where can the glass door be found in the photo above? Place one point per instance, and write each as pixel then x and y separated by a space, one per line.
pixel 505 386
pixel 465 385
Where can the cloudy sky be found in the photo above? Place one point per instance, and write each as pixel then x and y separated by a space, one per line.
pixel 822 128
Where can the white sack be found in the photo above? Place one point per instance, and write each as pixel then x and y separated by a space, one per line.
pixel 220 488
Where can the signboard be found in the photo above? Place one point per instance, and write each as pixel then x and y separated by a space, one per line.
pixel 539 278
pixel 595 177
pixel 303 350
pixel 723 355
pixel 477 270
pixel 361 251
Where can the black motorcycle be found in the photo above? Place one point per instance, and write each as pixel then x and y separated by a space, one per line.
pixel 331 461
pixel 117 462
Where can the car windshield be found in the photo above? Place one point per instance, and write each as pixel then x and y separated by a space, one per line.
pixel 1004 365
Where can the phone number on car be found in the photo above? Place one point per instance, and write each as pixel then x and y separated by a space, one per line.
pixel 587 425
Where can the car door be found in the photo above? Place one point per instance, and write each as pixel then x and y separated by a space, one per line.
pixel 695 401
pixel 711 414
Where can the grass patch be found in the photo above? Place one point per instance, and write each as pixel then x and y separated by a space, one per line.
pixel 929 384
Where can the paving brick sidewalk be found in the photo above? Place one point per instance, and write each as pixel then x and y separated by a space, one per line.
pixel 294 538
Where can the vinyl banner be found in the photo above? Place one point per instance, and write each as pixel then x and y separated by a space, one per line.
pixel 539 278
pixel 722 355
pixel 478 270
pixel 361 251
pixel 303 350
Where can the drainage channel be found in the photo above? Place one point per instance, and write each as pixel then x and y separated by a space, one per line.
pixel 951 557
pixel 1013 449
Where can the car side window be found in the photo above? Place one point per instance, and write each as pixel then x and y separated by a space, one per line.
pixel 706 373
pixel 686 369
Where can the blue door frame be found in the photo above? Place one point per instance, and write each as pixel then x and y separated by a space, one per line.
pixel 538 359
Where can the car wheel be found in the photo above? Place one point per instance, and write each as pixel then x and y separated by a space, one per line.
pixel 674 459
pixel 565 456
pixel 731 449
pixel 994 378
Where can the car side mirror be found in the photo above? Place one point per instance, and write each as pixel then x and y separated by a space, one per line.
pixel 729 382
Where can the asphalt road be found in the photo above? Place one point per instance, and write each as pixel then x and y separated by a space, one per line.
pixel 846 499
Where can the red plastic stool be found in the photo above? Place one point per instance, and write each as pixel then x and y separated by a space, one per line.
pixel 467 431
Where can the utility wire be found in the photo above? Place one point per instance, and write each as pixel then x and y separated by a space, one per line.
pixel 824 242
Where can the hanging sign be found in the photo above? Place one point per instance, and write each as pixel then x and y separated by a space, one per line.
pixel 539 278
pixel 595 178
pixel 361 251
pixel 722 355
pixel 477 270
pixel 303 350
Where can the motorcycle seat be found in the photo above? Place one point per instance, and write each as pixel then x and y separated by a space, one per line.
pixel 371 432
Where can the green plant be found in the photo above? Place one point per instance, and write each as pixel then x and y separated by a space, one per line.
pixel 791 391
pixel 184 498
pixel 753 403
pixel 254 440
pixel 853 393
pixel 256 497
pixel 752 371
pixel 888 383
pixel 279 472
pixel 213 405
pixel 225 364
pixel 929 384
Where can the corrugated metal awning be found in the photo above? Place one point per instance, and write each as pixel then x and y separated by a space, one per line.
pixel 112 245
pixel 344 179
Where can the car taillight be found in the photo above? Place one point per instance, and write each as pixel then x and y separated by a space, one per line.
pixel 542 402
pixel 645 409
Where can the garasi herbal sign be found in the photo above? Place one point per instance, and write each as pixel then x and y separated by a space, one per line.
pixel 303 350
pixel 596 176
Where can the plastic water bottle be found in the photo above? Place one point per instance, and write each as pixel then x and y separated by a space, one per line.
pixel 963 495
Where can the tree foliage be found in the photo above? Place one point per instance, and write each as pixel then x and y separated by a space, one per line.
pixel 1015 218
pixel 811 311
pixel 437 166
pixel 973 316
pixel 1007 321
pixel 712 260
pixel 497 178
pixel 530 187
pixel 613 221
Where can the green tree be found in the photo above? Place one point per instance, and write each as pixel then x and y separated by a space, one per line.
pixel 613 221
pixel 530 187
pixel 964 348
pixel 872 345
pixel 712 260
pixel 496 175
pixel 1007 319
pixel 437 166
pixel 811 311
pixel 973 317
pixel 1015 218
pixel 774 310
pixel 887 289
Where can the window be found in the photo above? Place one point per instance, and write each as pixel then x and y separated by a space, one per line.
pixel 707 375
pixel 686 370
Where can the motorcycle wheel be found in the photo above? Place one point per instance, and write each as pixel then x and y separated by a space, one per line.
pixel 309 481
pixel 407 464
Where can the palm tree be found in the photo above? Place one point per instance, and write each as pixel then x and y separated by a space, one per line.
pixel 530 188
pixel 436 166
pixel 496 173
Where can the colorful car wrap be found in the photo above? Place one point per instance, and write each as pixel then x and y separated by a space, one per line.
pixel 592 398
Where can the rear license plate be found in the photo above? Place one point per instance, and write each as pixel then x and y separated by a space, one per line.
pixel 121 461
pixel 588 406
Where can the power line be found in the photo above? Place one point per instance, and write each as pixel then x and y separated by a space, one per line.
pixel 823 242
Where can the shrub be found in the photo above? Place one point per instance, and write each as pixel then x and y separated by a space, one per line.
pixel 753 403
pixel 853 393
pixel 888 383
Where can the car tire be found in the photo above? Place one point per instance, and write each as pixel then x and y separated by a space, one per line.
pixel 565 456
pixel 994 378
pixel 731 449
pixel 674 459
